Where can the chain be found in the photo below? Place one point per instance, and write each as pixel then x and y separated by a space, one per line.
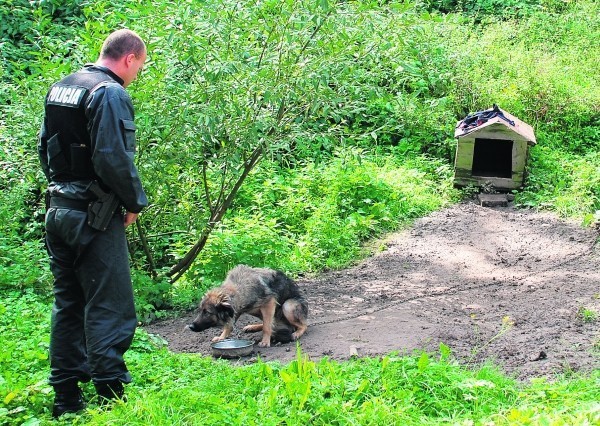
pixel 447 292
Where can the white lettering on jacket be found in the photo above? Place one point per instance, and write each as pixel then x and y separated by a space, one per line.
pixel 68 96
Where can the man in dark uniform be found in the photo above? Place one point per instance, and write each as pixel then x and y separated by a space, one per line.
pixel 87 137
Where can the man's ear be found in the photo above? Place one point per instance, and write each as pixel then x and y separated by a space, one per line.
pixel 129 59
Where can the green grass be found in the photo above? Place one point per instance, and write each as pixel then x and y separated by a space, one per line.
pixel 187 389
pixel 587 315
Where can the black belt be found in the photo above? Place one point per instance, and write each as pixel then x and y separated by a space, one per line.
pixel 67 203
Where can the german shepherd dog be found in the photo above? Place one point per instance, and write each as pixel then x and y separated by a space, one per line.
pixel 264 293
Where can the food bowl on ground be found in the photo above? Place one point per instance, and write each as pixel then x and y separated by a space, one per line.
pixel 232 348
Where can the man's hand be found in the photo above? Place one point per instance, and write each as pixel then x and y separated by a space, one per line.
pixel 130 218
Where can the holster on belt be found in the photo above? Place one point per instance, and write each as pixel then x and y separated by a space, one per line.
pixel 101 211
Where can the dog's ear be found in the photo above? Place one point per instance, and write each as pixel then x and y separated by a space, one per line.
pixel 224 304
pixel 222 298
pixel 225 309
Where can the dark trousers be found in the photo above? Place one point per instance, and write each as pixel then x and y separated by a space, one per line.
pixel 93 317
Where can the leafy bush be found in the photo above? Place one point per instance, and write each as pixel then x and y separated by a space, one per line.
pixel 23 260
pixel 566 183
pixel 320 214
pixel 31 31
pixel 24 337
pixel 498 8
pixel 151 294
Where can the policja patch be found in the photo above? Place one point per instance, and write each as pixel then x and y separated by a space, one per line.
pixel 65 95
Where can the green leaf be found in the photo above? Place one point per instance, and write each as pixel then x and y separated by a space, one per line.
pixel 444 352
pixel 423 362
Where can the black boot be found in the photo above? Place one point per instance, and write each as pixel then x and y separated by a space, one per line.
pixel 68 398
pixel 110 391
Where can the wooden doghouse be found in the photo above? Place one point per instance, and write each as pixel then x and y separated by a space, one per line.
pixel 492 149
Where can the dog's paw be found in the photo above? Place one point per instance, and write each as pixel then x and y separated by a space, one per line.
pixel 264 344
pixel 217 339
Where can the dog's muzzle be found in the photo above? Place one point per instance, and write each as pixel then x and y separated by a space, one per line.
pixel 192 327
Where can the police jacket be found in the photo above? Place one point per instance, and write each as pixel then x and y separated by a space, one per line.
pixel 88 134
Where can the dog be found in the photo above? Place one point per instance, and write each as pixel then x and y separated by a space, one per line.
pixel 265 293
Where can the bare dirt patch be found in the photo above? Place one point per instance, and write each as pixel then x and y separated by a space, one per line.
pixel 496 284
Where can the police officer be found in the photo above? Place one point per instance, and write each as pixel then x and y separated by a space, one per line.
pixel 88 135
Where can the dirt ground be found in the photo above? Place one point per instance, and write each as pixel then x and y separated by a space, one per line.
pixel 496 284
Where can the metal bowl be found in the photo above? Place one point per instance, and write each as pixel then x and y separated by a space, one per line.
pixel 232 348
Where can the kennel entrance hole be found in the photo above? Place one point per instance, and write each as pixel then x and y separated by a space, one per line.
pixel 492 158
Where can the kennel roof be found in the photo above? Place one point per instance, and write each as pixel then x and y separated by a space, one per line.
pixel 522 130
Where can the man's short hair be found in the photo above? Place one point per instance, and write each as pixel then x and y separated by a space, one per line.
pixel 121 43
